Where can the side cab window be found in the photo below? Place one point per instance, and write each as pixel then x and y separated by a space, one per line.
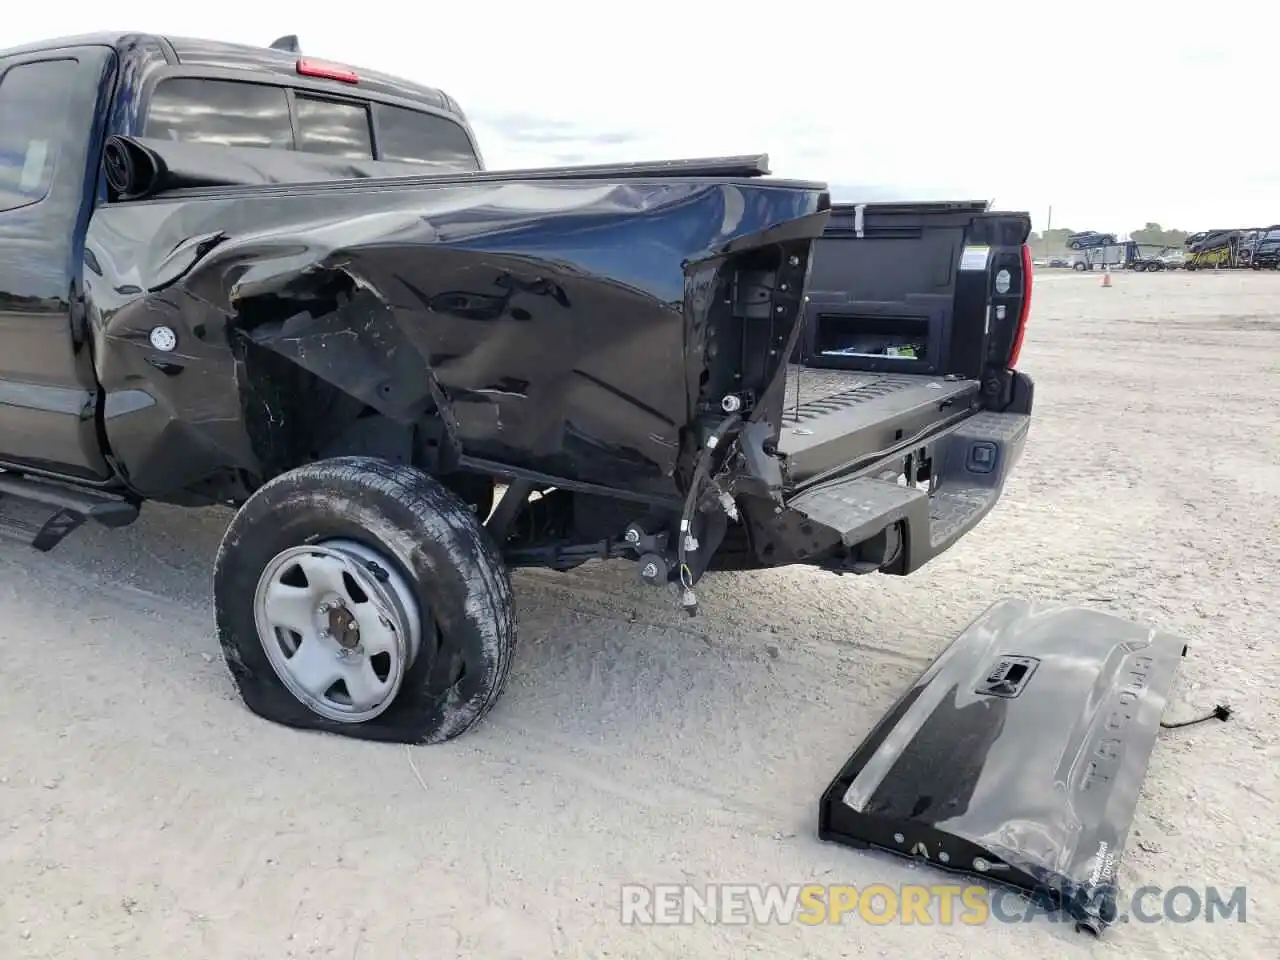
pixel 34 101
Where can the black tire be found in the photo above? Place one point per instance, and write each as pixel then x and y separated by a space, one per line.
pixel 450 564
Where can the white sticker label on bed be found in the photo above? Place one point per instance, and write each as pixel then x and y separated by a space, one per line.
pixel 974 258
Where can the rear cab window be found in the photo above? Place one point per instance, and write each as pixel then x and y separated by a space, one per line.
pixel 238 113
pixel 408 136
pixel 220 112
pixel 333 127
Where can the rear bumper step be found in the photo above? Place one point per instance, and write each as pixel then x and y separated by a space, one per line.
pixel 832 417
pixel 873 521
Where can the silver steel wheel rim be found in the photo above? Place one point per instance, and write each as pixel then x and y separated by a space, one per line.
pixel 340 627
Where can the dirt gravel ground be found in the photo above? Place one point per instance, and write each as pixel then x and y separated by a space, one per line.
pixel 145 813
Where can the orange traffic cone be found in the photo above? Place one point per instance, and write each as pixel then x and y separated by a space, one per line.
pixel 1106 279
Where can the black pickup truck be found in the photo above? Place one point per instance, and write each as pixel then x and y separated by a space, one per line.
pixel 236 275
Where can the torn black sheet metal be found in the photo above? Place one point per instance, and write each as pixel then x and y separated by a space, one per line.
pixel 1018 756
pixel 551 323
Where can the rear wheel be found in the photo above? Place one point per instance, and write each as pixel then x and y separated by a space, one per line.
pixel 364 598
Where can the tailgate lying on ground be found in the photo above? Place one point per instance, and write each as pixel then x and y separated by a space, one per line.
pixel 1017 756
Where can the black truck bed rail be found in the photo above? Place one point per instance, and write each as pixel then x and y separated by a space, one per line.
pixel 139 168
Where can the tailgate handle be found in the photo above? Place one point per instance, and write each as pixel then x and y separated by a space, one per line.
pixel 1008 677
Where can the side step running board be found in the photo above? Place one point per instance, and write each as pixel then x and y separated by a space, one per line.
pixel 66 508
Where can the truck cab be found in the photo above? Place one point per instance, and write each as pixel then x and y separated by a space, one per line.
pixel 189 90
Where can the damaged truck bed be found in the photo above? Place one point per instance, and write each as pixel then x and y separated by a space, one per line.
pixel 903 416
pixel 296 290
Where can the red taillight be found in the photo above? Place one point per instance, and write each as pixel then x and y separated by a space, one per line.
pixel 327 71
pixel 1025 311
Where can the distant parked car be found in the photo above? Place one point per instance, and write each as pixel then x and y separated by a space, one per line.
pixel 1087 239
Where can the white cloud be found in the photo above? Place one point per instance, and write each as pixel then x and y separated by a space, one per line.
pixel 1113 115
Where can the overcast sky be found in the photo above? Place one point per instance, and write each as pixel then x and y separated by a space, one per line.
pixel 1113 114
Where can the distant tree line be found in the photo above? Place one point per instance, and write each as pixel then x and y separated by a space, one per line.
pixel 1054 242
